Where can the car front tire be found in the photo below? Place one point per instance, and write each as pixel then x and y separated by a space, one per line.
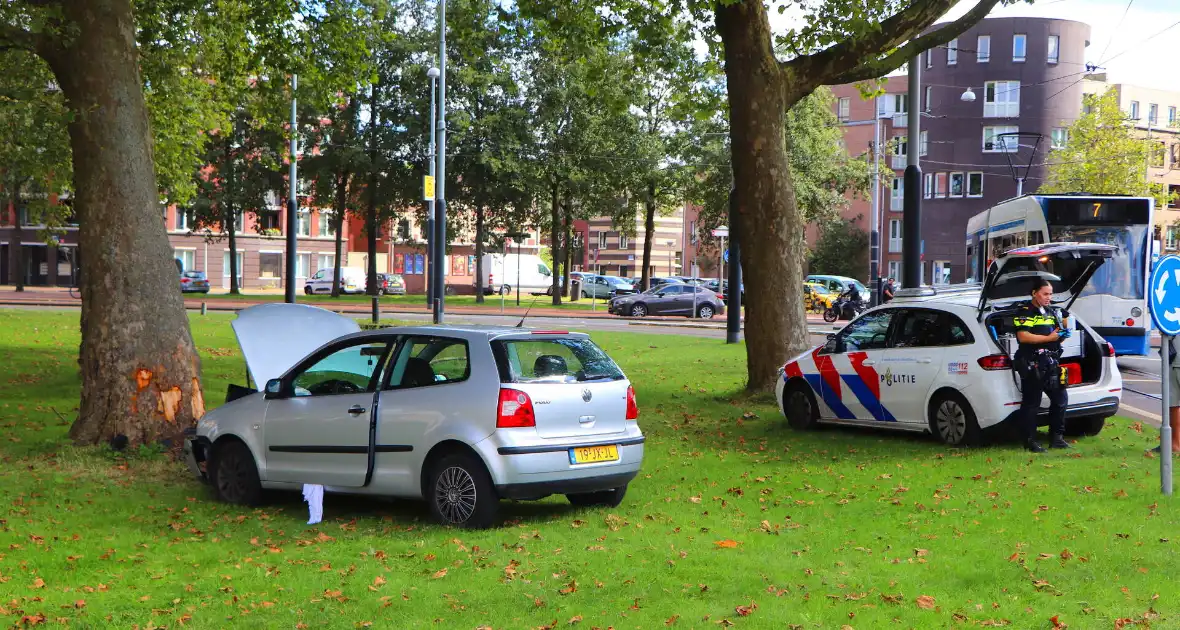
pixel 638 310
pixel 234 475
pixel 953 421
pixel 1085 425
pixel 799 406
pixel 461 494
pixel 307 290
pixel 603 498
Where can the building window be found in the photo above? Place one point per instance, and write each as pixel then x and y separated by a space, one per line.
pixel 182 221
pixel 1059 138
pixel 923 143
pixel 901 103
pixel 900 151
pixel 622 241
pixel 302 265
pixel 602 240
pixel 1134 110
pixel 1170 240
pixel 187 258
pixel 1001 99
pixel 952 52
pixel 928 188
pixel 895 235
pixel 270 265
pixel 844 108
pixel 1054 49
pixel 1159 153
pixel 326 261
pixel 1171 115
pixel 304 223
pixel 578 240
pixel 974 184
pixel 897 195
pixel 895 269
pixel 1153 114
pixel 957 181
pixel 241 262
pixel 929 59
pixel 992 144
pixel 983 48
pixel 326 227
pixel 929 93
pixel 692 232
pixel 1019 47
pixel 942 272
pixel 1175 156
pixel 940 185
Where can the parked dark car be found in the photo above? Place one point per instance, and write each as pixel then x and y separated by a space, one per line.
pixel 194 282
pixel 670 299
pixel 391 284
pixel 637 282
pixel 722 288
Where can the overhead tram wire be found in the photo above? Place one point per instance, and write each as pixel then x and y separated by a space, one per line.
pixel 1105 61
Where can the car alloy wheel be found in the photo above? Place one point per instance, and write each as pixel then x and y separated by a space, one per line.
pixel 455 495
pixel 706 312
pixel 953 421
pixel 638 310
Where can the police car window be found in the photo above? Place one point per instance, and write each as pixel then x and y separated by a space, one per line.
pixel 919 329
pixel 870 332
pixel 957 332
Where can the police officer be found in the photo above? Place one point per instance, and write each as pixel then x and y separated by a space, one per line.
pixel 1039 331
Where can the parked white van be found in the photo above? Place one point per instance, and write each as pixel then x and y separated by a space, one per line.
pixel 526 272
pixel 352 280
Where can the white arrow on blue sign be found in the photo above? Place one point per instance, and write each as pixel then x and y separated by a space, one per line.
pixel 725 256
pixel 1165 295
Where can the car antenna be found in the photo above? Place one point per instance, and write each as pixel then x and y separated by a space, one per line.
pixel 520 324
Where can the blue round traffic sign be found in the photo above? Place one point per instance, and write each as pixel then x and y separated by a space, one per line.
pixel 725 255
pixel 1164 295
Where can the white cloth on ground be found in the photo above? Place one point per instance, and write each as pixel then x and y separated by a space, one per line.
pixel 314 495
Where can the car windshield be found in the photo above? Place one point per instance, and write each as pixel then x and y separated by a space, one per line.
pixel 615 281
pixel 197 275
pixel 559 360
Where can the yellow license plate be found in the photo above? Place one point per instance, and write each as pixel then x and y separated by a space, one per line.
pixel 594 454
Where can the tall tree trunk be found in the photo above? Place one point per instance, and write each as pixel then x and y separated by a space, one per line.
pixel 371 211
pixel 16 247
pixel 479 239
pixel 139 366
pixel 554 239
pixel 567 252
pixel 339 208
pixel 649 232
pixel 769 226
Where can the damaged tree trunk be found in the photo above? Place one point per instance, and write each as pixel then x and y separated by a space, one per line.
pixel 479 249
pixel 769 226
pixel 139 367
pixel 554 240
pixel 649 234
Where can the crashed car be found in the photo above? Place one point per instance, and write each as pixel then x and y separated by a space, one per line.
pixel 459 416
pixel 939 359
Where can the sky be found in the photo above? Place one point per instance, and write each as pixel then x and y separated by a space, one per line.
pixel 1113 37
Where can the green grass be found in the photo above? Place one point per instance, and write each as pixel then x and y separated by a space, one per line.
pixel 833 528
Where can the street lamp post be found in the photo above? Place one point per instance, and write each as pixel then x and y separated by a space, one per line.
pixel 440 203
pixel 430 262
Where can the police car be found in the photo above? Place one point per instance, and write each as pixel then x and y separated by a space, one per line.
pixel 940 359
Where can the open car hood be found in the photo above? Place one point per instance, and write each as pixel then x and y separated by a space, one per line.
pixel 274 337
pixel 1068 266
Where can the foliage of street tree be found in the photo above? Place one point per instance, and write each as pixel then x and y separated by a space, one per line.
pixel 1105 155
pixel 842 250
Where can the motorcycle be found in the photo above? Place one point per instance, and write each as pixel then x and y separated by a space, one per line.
pixel 843 308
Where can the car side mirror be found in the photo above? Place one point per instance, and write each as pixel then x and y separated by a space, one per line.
pixel 660 294
pixel 274 388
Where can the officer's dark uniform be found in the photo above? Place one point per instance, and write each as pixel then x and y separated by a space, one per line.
pixel 1040 371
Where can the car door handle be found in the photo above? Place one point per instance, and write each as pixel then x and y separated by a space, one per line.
pixel 356 410
pixel 925 360
pixel 868 362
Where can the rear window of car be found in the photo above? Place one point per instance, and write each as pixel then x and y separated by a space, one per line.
pixel 558 360
pixel 198 275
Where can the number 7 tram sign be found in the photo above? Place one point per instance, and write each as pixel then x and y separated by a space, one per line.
pixel 1164 299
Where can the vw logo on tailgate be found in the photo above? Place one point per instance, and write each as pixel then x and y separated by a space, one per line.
pixel 587 395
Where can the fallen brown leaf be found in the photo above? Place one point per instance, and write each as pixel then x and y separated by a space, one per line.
pixel 926 602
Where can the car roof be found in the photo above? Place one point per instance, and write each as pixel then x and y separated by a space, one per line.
pixel 472 332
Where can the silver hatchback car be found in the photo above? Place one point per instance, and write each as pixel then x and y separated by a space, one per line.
pixel 459 416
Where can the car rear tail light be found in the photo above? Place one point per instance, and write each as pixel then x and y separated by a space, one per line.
pixel 1129 322
pixel 1107 349
pixel 185 280
pixel 515 410
pixel 632 404
pixel 995 362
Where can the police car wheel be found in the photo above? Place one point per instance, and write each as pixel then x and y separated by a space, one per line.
pixel 799 407
pixel 953 421
pixel 1086 425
